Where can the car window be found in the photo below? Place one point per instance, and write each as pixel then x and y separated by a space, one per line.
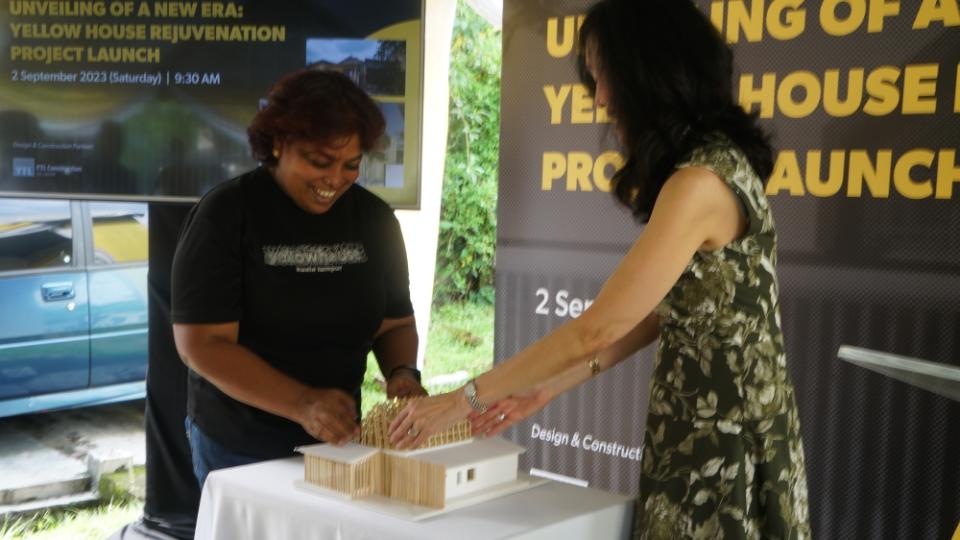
pixel 35 234
pixel 119 232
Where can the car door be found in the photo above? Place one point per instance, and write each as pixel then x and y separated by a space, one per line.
pixel 117 271
pixel 44 319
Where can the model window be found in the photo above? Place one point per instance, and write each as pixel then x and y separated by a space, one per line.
pixel 119 232
pixel 35 234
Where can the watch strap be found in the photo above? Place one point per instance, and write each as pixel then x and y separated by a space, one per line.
pixel 413 371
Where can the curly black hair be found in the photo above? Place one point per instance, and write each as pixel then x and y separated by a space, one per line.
pixel 318 106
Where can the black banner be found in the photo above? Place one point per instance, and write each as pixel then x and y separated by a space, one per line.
pixel 863 100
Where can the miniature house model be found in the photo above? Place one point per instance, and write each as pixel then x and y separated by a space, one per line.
pixel 450 466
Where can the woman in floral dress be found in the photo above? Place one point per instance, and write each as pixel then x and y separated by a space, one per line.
pixel 722 456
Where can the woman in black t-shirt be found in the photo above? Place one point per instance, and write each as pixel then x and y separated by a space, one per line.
pixel 286 277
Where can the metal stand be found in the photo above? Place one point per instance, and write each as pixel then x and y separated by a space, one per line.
pixel 938 378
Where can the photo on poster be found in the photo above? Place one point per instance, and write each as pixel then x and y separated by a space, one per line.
pixel 377 66
pixel 383 167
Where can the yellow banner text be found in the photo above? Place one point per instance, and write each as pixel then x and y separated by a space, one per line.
pixel 920 173
pixel 879 92
pixel 580 171
pixel 578 102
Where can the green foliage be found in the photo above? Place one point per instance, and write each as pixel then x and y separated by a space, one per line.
pixel 468 221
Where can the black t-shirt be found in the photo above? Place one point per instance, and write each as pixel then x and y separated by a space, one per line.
pixel 309 292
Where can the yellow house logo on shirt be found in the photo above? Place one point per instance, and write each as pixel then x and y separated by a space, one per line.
pixel 315 257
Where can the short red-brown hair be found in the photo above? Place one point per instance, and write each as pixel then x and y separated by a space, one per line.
pixel 318 106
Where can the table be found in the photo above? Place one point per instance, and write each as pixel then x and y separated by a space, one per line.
pixel 261 502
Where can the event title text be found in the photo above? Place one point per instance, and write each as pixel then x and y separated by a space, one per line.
pixel 61 32
pixel 922 87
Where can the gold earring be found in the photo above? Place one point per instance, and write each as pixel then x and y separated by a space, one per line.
pixel 276 153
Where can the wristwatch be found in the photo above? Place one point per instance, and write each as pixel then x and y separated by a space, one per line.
pixel 413 371
pixel 470 389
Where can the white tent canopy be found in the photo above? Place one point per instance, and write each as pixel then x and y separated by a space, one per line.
pixel 491 10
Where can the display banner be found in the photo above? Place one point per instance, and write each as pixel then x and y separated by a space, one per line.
pixel 863 100
pixel 150 100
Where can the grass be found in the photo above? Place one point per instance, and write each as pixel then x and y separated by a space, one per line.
pixel 460 340
pixel 94 523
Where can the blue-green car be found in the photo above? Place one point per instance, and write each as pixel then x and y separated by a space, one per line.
pixel 73 303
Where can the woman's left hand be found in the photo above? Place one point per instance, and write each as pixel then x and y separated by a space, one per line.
pixel 422 418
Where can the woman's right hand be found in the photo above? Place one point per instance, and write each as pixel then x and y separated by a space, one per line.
pixel 329 415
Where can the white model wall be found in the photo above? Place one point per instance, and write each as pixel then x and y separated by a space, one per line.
pixel 486 474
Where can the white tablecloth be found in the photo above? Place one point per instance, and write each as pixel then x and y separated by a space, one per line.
pixel 261 502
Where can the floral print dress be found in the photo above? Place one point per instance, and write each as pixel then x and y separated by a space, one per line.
pixel 722 455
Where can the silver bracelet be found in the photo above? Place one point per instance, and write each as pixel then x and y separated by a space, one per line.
pixel 470 390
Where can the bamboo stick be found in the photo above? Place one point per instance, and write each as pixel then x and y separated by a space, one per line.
pixel 374 428
pixel 353 480
pixel 398 477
